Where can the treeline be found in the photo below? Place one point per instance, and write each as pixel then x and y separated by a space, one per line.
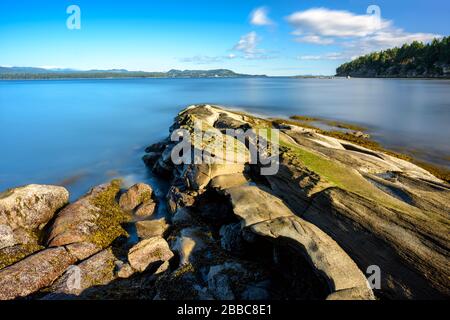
pixel 79 75
pixel 415 60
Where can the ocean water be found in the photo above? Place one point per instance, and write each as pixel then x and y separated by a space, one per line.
pixel 79 133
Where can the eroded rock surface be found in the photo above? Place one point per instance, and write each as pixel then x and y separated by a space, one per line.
pixel 341 206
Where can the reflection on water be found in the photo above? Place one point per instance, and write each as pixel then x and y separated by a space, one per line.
pixel 83 132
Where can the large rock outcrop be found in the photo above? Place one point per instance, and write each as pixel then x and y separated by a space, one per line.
pixel 358 207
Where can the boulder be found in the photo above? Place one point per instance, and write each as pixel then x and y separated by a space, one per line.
pixel 177 198
pixel 32 206
pixel 95 218
pixel 146 209
pixel 149 251
pixel 198 176
pixel 34 272
pixel 134 196
pixel 151 228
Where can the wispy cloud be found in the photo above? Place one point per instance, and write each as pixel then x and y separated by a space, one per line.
pixel 202 59
pixel 259 17
pixel 248 47
pixel 314 40
pixel 327 56
pixel 358 34
pixel 248 43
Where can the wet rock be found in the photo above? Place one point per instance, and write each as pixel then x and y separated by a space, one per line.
pixel 157 147
pixel 32 206
pixel 151 228
pixel 151 158
pixel 34 272
pixel 148 251
pixel 137 194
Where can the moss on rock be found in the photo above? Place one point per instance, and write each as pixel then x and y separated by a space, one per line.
pixel 110 216
pixel 11 255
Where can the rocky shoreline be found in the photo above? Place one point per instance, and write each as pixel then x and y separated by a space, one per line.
pixel 333 211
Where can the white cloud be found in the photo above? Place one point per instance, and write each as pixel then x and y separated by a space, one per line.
pixel 334 23
pixel 394 38
pixel 310 57
pixel 314 40
pixel 259 17
pixel 358 34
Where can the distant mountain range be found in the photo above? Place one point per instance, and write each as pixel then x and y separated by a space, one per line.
pixel 29 73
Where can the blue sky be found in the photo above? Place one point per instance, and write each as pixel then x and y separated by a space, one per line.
pixel 283 37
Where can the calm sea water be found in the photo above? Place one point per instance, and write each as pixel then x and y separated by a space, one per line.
pixel 80 133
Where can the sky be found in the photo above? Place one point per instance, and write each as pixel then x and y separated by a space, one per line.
pixel 273 37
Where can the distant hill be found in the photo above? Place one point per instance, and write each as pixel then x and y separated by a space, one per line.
pixel 415 60
pixel 29 73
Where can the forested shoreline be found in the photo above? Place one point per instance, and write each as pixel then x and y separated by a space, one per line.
pixel 415 60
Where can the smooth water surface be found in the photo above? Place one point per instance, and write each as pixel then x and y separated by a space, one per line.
pixel 80 133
